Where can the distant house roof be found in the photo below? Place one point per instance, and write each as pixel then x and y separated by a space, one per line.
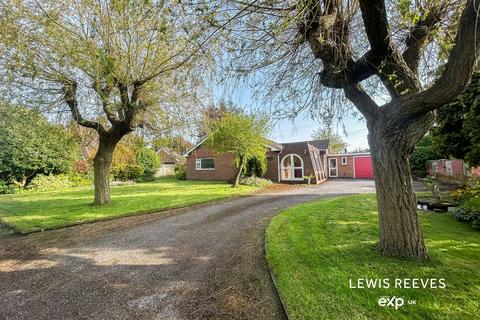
pixel 174 155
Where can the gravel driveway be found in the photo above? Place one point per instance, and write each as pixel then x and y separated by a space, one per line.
pixel 203 262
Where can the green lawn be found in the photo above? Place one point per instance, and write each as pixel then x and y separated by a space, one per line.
pixel 315 249
pixel 32 211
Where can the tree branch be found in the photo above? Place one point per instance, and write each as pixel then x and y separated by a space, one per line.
pixel 361 100
pixel 382 59
pixel 70 95
pixel 392 70
pixel 458 70
pixel 419 33
pixel 374 15
pixel 104 93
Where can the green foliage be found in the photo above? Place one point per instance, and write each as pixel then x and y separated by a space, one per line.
pixel 175 143
pixel 124 163
pixel 256 167
pixel 133 161
pixel 469 212
pixel 127 172
pixel 124 154
pixel 58 182
pixel 181 170
pixel 149 161
pixel 7 187
pixel 409 14
pixel 469 198
pixel 254 181
pixel 241 134
pixel 30 145
pixel 471 189
pixel 43 51
pixel 457 133
pixel 336 144
pixel 50 182
pixel 422 153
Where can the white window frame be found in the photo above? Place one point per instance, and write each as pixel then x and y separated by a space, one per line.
pixel 344 161
pixel 292 168
pixel 332 167
pixel 198 164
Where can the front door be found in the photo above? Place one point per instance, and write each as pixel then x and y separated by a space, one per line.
pixel 332 167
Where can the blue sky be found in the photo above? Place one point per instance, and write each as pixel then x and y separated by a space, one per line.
pixel 301 128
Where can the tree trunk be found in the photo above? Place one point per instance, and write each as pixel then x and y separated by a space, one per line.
pixel 392 143
pixel 102 165
pixel 236 182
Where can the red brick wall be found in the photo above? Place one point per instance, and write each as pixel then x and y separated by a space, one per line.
pixel 272 166
pixel 344 171
pixel 224 165
pixel 476 171
pixel 457 168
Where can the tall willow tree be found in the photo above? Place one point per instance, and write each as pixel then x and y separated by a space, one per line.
pixel 114 65
pixel 395 61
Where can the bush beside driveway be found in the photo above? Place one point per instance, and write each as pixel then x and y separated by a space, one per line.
pixel 314 250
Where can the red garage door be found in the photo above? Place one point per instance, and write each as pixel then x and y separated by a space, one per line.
pixel 363 167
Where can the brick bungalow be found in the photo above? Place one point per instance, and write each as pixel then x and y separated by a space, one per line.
pixel 286 162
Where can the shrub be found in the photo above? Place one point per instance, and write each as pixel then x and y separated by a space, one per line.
pixel 50 182
pixel 256 182
pixel 181 171
pixel 149 161
pixel 127 172
pixel 470 190
pixel 469 197
pixel 255 167
pixel 60 181
pixel 80 180
pixel 42 149
pixel 124 154
pixel 7 187
pixel 469 212
pixel 422 153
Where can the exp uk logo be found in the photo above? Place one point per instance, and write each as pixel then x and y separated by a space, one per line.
pixel 394 302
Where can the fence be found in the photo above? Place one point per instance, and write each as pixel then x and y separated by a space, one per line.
pixel 166 170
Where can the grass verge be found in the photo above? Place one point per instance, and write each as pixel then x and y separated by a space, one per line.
pixel 315 249
pixel 33 211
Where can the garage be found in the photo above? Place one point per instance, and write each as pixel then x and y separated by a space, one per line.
pixel 363 168
pixel 354 165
